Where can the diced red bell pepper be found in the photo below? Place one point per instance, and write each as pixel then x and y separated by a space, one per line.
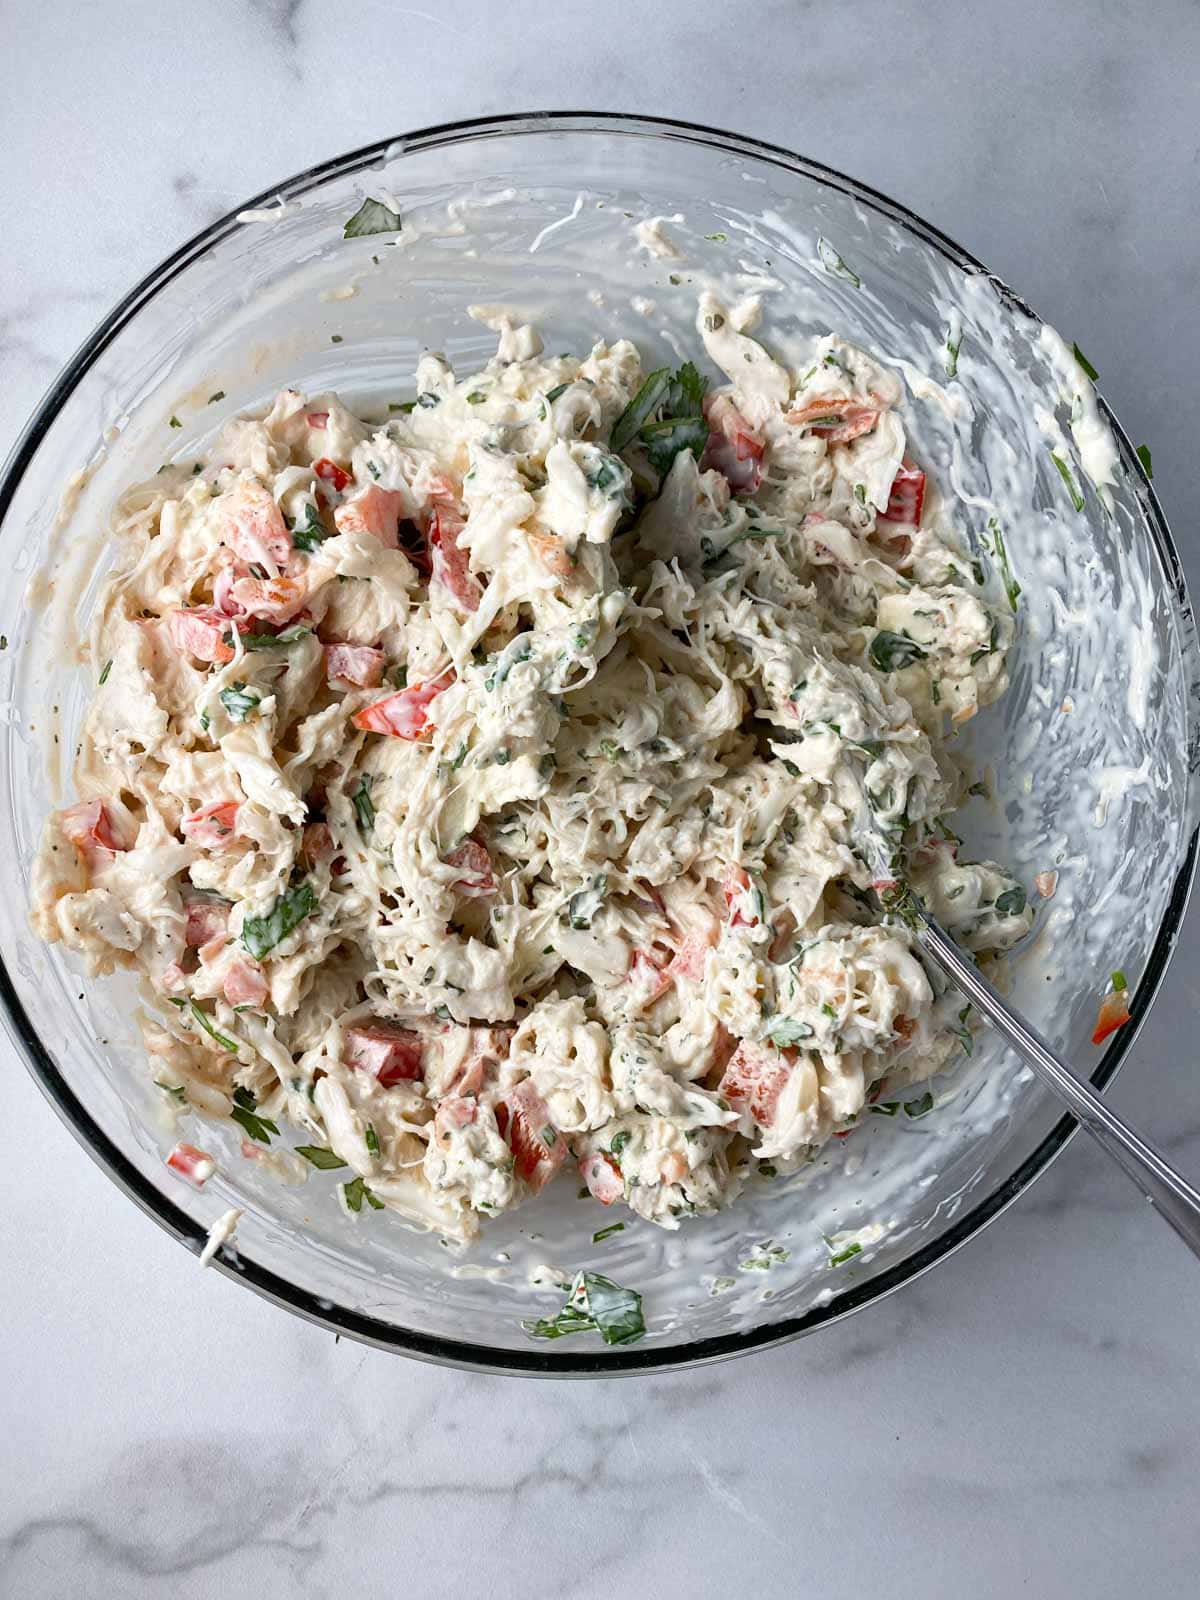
pixel 402 715
pixel 537 1146
pixel 332 473
pixel 733 448
pixel 197 1166
pixel 907 499
pixel 1114 1014
pixel 475 876
pixel 451 564
pixel 389 1053
pixel 754 1079
pixel 360 664
pixel 691 959
pixel 213 827
pixel 649 974
pixel 91 830
pixel 253 525
pixel 603 1177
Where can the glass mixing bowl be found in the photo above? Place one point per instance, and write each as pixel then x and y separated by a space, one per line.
pixel 1092 751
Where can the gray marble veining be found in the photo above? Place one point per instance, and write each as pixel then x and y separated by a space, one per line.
pixel 1022 1421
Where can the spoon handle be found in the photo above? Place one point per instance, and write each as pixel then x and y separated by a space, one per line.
pixel 1167 1190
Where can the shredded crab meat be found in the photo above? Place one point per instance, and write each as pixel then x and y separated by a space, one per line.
pixel 477 790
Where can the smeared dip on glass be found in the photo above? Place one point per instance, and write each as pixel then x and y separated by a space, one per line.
pixel 477 791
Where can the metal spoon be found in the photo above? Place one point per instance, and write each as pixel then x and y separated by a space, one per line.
pixel 1167 1191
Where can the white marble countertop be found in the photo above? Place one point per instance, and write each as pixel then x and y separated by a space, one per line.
pixel 1024 1420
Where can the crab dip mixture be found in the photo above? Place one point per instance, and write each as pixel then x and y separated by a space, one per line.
pixel 497 787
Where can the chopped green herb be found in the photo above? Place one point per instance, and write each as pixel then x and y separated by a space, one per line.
pixel 833 263
pixel 1011 903
pixel 364 810
pixel 1118 982
pixel 717 238
pixel 845 1255
pixel 204 720
pixel 239 701
pixel 583 905
pixel 953 346
pixel 885 1108
pixel 1143 454
pixel 213 398
pixel 620 1140
pixel 428 400
pixel 314 531
pixel 371 1138
pixel 595 1305
pixel 317 1156
pixel 206 1022
pixel 1011 587
pixel 607 1233
pixel 476 398
pixel 767 1169
pixel 107 670
pixel 174 422
pixel 175 1090
pixel 1064 473
pixel 664 440
pixel 559 388
pixel 963 1032
pixel 276 641
pixel 371 217
pixel 768 1256
pixel 919 1108
pixel 1085 364
pixel 891 651
pixel 244 1113
pixel 261 934
pixel 787 1031
pixel 356 1191
pixel 644 404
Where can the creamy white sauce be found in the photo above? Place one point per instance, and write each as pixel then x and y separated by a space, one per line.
pixel 221 1233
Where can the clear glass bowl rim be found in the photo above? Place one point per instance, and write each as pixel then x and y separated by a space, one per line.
pixel 537 1362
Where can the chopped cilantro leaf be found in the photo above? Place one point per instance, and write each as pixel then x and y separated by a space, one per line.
pixel 1085 363
pixel 371 217
pixel 317 1156
pixel 919 1108
pixel 595 1305
pixel 845 1255
pixel 833 263
pixel 261 934
pixel 244 1113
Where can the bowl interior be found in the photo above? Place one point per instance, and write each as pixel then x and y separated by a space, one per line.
pixel 1089 753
